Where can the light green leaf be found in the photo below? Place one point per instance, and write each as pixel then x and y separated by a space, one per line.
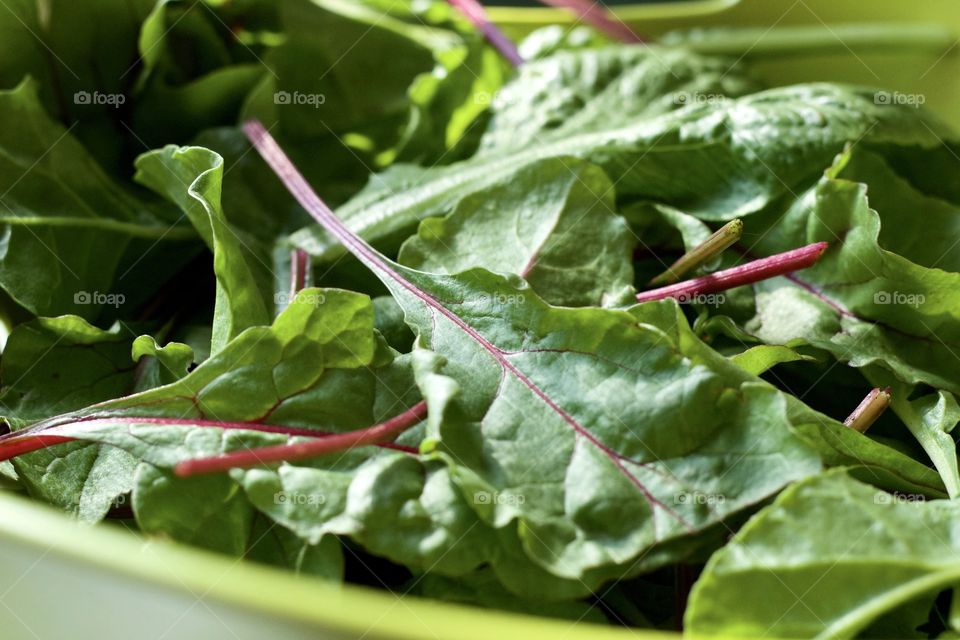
pixel 758 359
pixel 158 365
pixel 931 419
pixel 191 177
pixel 829 557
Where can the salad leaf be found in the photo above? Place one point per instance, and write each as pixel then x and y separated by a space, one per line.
pixel 931 418
pixel 862 303
pixel 67 228
pixel 830 556
pixel 192 177
pixel 760 358
pixel 499 374
pixel 563 237
pixel 716 160
pixel 54 365
pixel 160 365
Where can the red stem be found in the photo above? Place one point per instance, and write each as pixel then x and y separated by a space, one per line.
pixel 31 442
pixel 594 13
pixel 473 11
pixel 755 271
pixel 18 443
pixel 299 270
pixel 376 434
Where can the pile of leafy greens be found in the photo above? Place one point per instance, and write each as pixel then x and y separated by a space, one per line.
pixel 564 451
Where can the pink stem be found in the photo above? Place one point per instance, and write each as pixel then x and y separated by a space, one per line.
pixel 473 11
pixel 755 271
pixel 299 271
pixel 594 13
pixel 18 443
pixel 376 434
pixel 29 443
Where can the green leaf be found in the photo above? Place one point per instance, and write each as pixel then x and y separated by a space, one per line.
pixel 553 223
pixel 862 303
pixel 207 511
pixel 191 177
pixel 83 78
pixel 758 359
pixel 830 556
pixel 56 365
pixel 272 544
pixel 716 159
pixel 931 419
pixel 592 486
pixel 65 227
pixel 160 365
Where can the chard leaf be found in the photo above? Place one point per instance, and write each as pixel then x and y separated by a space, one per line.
pixel 66 229
pixel 56 365
pixel 563 237
pixel 829 557
pixel 208 511
pixel 192 178
pixel 319 367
